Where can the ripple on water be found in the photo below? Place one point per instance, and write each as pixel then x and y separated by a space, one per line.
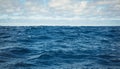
pixel 59 47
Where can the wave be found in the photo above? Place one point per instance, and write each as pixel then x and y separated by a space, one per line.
pixel 59 47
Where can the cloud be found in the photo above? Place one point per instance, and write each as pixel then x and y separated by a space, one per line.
pixel 107 8
pixel 21 7
pixel 86 8
pixel 105 2
pixel 9 6
pixel 32 7
pixel 59 3
pixel 61 8
pixel 68 5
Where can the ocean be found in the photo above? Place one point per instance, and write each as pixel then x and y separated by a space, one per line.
pixel 59 47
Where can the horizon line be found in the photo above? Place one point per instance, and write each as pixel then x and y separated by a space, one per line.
pixel 57 25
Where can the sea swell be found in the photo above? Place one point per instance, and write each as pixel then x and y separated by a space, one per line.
pixel 52 47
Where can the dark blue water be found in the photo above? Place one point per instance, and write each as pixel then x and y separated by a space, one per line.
pixel 47 47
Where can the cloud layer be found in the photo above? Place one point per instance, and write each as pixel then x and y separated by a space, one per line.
pixel 60 9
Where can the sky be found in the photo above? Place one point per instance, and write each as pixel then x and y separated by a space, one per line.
pixel 60 12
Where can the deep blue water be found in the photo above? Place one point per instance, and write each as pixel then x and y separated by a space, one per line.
pixel 51 47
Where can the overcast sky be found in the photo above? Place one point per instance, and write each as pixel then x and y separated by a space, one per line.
pixel 60 12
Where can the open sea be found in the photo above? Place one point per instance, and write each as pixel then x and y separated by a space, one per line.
pixel 59 47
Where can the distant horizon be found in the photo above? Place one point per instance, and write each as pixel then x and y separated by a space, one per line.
pixel 62 23
pixel 59 25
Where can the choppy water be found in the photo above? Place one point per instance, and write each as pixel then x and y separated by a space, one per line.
pixel 48 47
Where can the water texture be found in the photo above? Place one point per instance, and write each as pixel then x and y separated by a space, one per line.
pixel 53 47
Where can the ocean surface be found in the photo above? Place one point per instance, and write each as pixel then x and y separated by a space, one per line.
pixel 59 47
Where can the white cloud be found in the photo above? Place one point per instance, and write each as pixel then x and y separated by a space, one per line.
pixel 105 2
pixel 9 6
pixel 35 8
pixel 68 5
pixel 100 8
pixel 61 9
pixel 80 7
pixel 59 3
